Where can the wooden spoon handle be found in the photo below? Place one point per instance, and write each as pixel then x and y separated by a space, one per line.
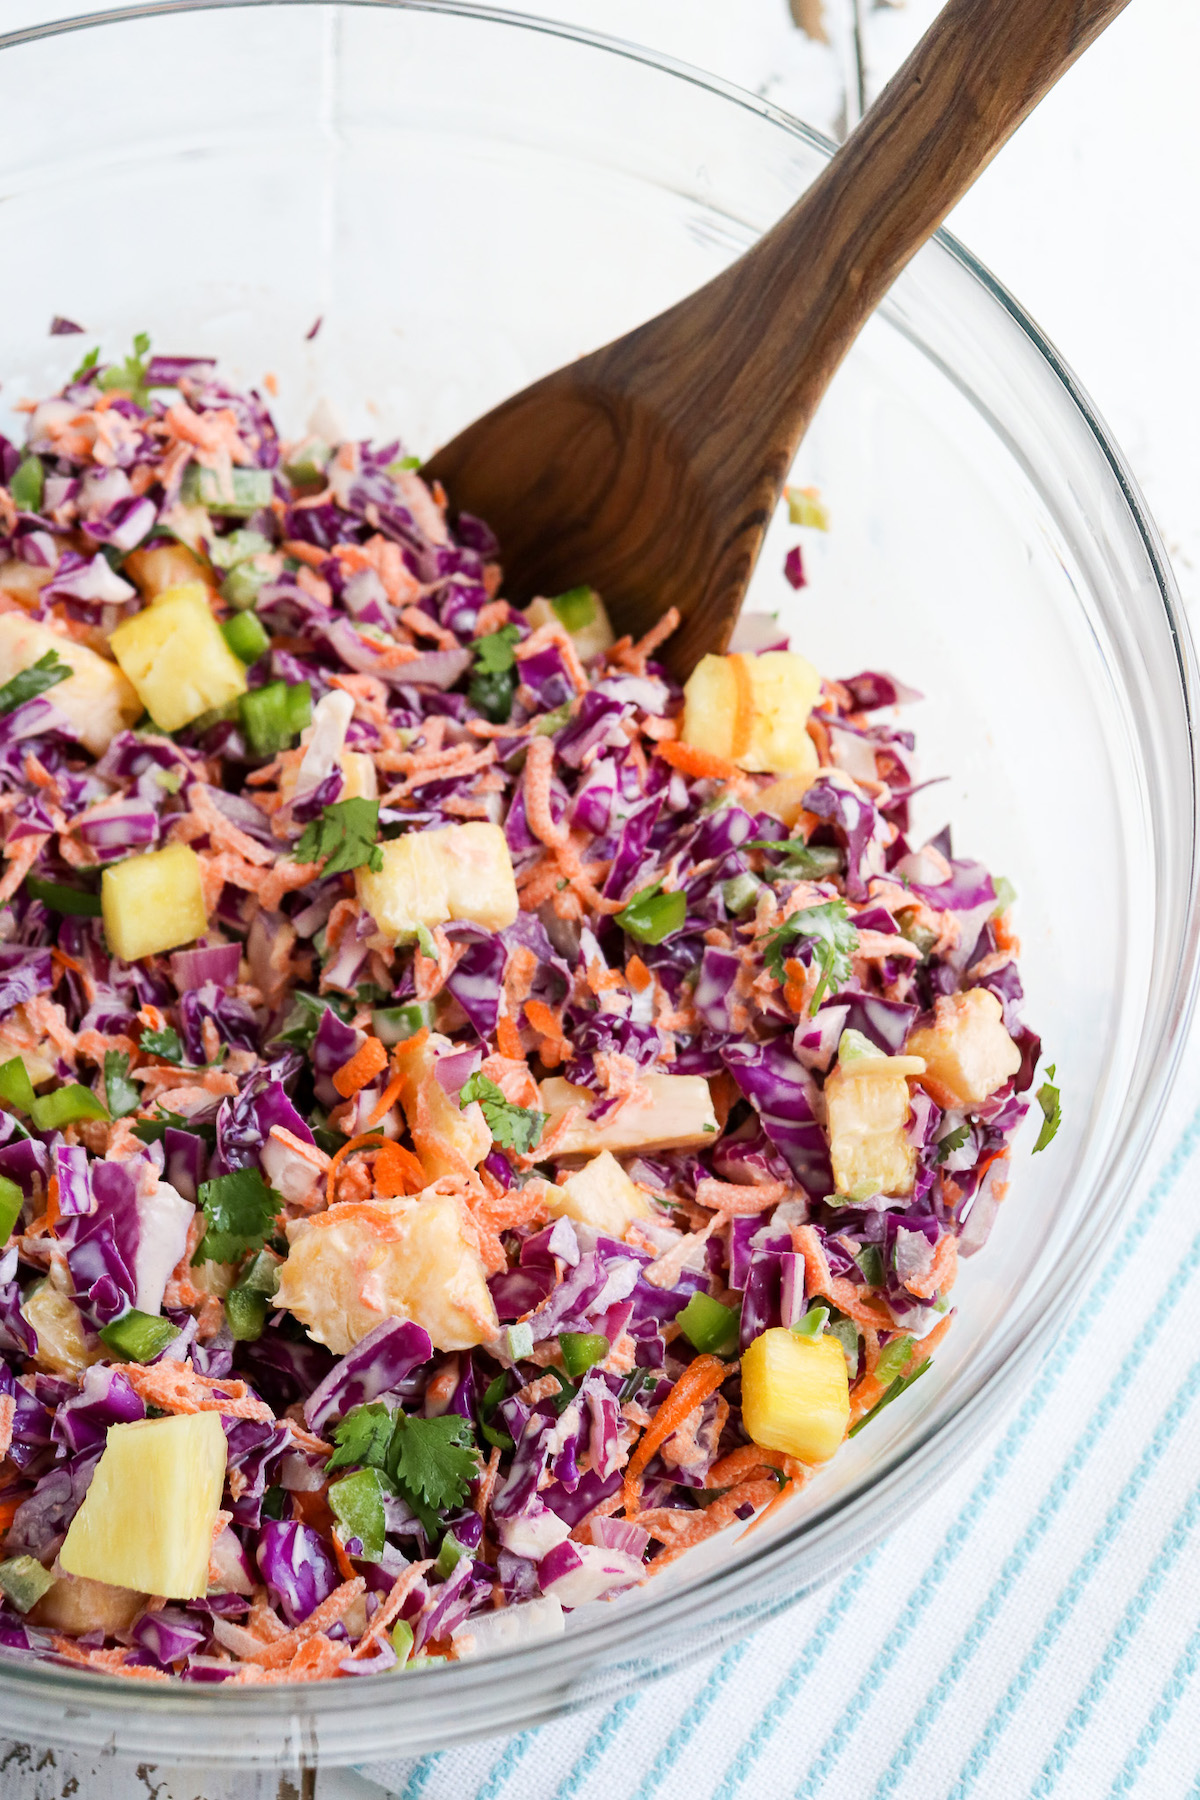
pixel 813 280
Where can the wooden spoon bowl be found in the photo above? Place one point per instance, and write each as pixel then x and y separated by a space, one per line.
pixel 651 467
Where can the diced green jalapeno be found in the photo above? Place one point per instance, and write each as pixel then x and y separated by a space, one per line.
pixel 246 636
pixel 65 1106
pixel 708 1326
pixel 243 492
pixel 139 1336
pixel 576 608
pixel 580 1349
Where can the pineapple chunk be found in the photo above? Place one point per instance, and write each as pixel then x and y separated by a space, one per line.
pixel 62 1348
pixel 968 1053
pixel 601 1195
pixel 449 1139
pixel 18 1038
pixel 176 658
pixel 147 1519
pixel 413 1258
pixel 153 902
pixel 24 581
pixel 76 1605
pixel 867 1104
pixel 451 872
pixel 591 636
pixel 674 1112
pixel 97 698
pixel 795 1394
pixel 358 778
pixel 753 710
pixel 163 565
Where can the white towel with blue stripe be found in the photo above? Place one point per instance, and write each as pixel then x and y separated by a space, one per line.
pixel 1032 1631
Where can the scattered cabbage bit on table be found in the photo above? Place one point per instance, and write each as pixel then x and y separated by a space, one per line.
pixel 477 1118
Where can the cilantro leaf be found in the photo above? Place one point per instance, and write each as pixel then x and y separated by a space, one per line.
pixel 239 1214
pixel 433 1462
pixel 494 680
pixel 45 673
pixel 88 364
pixel 130 376
pixel 123 1096
pixel 512 1127
pixel 953 1140
pixel 362 1438
pixel 1048 1099
pixel 833 938
pixel 343 837
pixel 164 1043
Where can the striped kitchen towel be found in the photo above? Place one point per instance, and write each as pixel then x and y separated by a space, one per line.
pixel 1032 1631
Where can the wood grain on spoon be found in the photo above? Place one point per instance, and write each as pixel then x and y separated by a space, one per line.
pixel 651 467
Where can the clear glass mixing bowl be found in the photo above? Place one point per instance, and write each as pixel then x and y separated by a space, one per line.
pixel 465 200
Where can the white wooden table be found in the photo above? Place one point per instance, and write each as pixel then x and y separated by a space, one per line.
pixel 1087 216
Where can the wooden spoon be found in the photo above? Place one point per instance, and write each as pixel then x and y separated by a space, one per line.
pixel 651 468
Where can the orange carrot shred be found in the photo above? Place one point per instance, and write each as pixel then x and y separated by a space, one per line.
pixel 637 975
pixel 508 1038
pixel 363 1066
pixel 364 1141
pixel 52 1214
pixel 700 1379
pixel 397 1171
pixel 702 765
pixel 386 1100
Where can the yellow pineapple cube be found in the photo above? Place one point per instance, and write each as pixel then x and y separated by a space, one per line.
pixel 449 1139
pixel 175 656
pixel 753 710
pixel 429 877
pixel 358 778
pixel 968 1053
pixel 147 1519
pixel 97 698
pixel 795 1394
pixel 153 902
pixel 867 1105
pixel 415 1258
pixel 76 1605
pixel 601 1194
pixel 164 565
pixel 671 1112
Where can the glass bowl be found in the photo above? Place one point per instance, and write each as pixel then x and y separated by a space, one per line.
pixel 464 200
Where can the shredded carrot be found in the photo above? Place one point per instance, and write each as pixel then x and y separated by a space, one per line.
pixel 548 1025
pixel 843 1293
pixel 539 770
pixel 176 1387
pixel 386 1100
pixel 397 1171
pixel 8 1511
pixel 941 1273
pixel 280 1653
pixel 867 1392
pixel 701 765
pixel 403 1587
pixel 8 1410
pixel 700 1379
pixel 346 1568
pixel 638 975
pixel 773 1506
pixel 362 1142
pixel 52 1214
pixel 362 1068
pixel 508 1038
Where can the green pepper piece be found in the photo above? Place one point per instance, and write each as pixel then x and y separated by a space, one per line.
pixel 576 608
pixel 392 1024
pixel 245 1313
pixel 16 1089
pixel 23 1581
pixel 652 915
pixel 246 636
pixel 11 1202
pixel 708 1326
pixel 248 491
pixel 77 903
pixel 272 715
pixel 356 1502
pixel 28 484
pixel 449 1556
pixel 139 1336
pixel 580 1349
pixel 240 587
pixel 402 1641
pixel 64 1106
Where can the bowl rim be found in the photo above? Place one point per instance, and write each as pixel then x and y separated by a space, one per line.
pixel 316 1707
